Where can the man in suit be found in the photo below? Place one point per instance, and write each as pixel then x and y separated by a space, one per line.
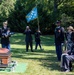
pixel 28 38
pixel 5 34
pixel 59 39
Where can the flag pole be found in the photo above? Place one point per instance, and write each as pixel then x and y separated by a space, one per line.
pixel 37 19
pixel 38 23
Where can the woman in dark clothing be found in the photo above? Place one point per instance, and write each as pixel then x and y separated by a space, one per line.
pixel 28 38
pixel 37 39
pixel 68 38
pixel 68 56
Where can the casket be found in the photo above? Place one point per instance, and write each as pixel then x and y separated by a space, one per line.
pixel 5 57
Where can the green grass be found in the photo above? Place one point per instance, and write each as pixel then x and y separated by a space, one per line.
pixel 40 62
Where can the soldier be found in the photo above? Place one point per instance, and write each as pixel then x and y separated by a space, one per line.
pixel 5 34
pixel 28 38
pixel 37 39
pixel 59 39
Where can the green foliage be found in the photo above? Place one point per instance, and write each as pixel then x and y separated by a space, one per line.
pixel 40 62
pixel 66 20
pixel 49 11
pixel 6 7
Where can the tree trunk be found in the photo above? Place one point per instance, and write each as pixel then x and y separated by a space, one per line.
pixel 55 10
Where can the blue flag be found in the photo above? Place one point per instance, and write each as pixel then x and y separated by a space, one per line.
pixel 32 15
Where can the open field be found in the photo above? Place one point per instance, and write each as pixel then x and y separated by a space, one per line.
pixel 40 62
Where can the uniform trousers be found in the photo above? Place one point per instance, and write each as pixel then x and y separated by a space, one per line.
pixel 27 46
pixel 58 51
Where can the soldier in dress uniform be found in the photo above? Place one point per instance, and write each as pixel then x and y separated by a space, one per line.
pixel 5 34
pixel 28 38
pixel 37 39
pixel 59 39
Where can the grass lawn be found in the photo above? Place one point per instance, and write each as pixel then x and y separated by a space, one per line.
pixel 40 62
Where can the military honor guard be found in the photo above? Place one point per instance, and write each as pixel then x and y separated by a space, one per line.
pixel 28 38
pixel 37 39
pixel 59 39
pixel 5 35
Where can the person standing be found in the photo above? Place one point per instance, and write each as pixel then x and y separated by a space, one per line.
pixel 28 38
pixel 37 39
pixel 59 39
pixel 5 34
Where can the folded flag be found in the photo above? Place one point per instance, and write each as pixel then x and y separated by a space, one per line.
pixel 32 14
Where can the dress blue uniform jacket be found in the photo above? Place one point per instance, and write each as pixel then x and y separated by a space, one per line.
pixel 59 35
pixel 28 37
pixel 37 36
pixel 4 40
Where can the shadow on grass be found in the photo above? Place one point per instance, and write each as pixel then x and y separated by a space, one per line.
pixel 47 40
pixel 47 58
pixel 36 52
pixel 20 39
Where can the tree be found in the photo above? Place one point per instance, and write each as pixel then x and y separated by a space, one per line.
pixel 6 7
pixel 49 11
